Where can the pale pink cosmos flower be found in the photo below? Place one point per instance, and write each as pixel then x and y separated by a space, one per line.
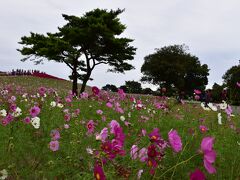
pixel 54 145
pixel 143 155
pixel 113 124
pixel 104 134
pixel 66 126
pixel 175 140
pixel 99 112
pixel 134 150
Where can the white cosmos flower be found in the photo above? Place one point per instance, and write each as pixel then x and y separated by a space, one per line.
pixel 3 113
pixel 129 114
pixel 24 95
pixel 98 137
pixel 3 174
pixel 17 112
pixel 223 105
pixel 89 150
pixel 219 118
pixel 205 108
pixel 122 118
pixel 35 122
pixel 60 105
pixel 53 104
pixel 212 107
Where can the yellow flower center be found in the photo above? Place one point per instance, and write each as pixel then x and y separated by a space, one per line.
pixel 98 176
pixel 154 137
pixel 150 163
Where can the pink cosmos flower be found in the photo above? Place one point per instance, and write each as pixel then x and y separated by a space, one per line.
pixel 42 91
pixel 99 112
pixel 196 91
pixel 154 135
pixel 197 175
pixel 113 124
pixel 238 84
pixel 67 117
pixel 175 140
pixel 228 110
pixel 121 94
pixel 104 134
pixel 13 107
pixel 54 145
pixel 68 99
pixel 119 110
pixel 98 173
pixel 4 122
pixel 55 135
pixel 143 155
pixel 34 111
pixel 197 97
pixel 90 126
pixel 27 120
pixel 66 126
pixel 84 95
pixel 203 129
pixel 144 132
pixel 109 105
pixel 95 90
pixel 209 154
pixel 134 150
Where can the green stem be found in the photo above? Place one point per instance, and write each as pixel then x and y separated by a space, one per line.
pixel 179 158
pixel 179 164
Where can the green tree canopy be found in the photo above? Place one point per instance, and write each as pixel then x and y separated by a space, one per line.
pixel 231 77
pixel 82 44
pixel 133 87
pixel 173 67
pixel 110 87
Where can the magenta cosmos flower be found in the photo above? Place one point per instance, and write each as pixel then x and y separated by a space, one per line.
pixel 95 90
pixel 34 111
pixel 90 126
pixel 197 175
pixel 175 140
pixel 209 154
pixel 54 145
pixel 98 173
pixel 203 129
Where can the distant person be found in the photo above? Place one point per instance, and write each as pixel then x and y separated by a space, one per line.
pixel 224 94
pixel 208 97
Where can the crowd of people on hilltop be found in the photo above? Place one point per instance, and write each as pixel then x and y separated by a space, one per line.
pixel 21 72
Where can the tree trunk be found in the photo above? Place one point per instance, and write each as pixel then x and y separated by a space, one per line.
pixel 75 78
pixel 84 83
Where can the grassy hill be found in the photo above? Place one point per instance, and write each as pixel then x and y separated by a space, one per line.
pixel 49 135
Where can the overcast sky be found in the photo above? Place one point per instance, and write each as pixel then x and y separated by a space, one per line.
pixel 209 27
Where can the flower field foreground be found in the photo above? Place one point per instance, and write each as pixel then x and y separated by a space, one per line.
pixel 44 135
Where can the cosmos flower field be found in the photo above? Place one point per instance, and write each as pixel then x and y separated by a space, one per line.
pixel 48 133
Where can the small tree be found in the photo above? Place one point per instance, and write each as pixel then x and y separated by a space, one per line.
pixel 82 44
